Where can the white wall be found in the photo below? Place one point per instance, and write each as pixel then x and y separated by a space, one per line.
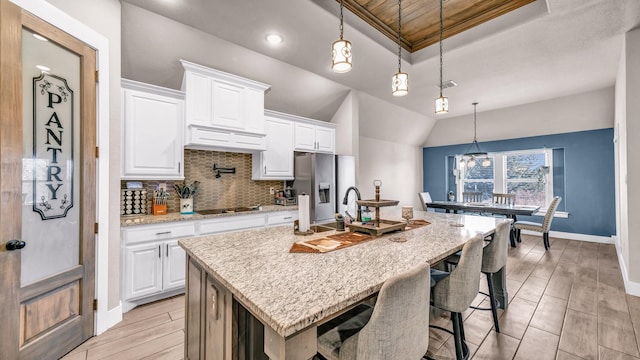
pixel 631 179
pixel 586 111
pixel 398 166
pixel 620 145
pixel 103 16
pixel 382 120
pixel 346 120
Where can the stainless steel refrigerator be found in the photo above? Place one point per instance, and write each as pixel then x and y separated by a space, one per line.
pixel 315 176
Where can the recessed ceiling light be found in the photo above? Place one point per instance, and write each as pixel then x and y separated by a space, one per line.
pixel 43 68
pixel 40 37
pixel 274 39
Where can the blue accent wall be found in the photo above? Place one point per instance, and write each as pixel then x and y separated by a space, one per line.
pixel 583 175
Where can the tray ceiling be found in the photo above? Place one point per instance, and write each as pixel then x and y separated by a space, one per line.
pixel 421 18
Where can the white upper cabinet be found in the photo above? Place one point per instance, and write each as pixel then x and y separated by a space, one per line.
pixel 276 162
pixel 223 111
pixel 314 136
pixel 152 132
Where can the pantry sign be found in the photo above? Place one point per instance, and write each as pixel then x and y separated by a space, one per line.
pixel 53 150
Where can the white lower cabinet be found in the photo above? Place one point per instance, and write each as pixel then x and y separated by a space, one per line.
pixel 282 217
pixel 143 269
pixel 231 223
pixel 173 265
pixel 154 263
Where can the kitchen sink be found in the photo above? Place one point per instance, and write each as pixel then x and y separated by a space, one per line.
pixel 328 226
pixel 226 210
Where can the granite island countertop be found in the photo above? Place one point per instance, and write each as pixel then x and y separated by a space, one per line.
pixel 292 291
pixel 158 219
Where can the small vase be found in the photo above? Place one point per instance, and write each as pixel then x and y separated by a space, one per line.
pixel 186 206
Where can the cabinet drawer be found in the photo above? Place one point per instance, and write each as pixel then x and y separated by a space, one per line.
pixel 250 141
pixel 282 217
pixel 231 223
pixel 158 232
pixel 211 137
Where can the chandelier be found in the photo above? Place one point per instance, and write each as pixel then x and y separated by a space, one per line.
pixel 474 152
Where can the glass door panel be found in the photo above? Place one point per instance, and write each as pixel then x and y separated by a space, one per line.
pixel 50 167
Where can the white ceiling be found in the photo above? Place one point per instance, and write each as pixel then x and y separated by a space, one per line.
pixel 543 50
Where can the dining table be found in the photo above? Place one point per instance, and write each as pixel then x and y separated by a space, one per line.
pixel 250 296
pixel 509 211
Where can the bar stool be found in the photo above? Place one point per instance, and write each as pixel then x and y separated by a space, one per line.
pixel 494 258
pixel 392 329
pixel 455 292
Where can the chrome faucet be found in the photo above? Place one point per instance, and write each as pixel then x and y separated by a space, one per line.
pixel 346 200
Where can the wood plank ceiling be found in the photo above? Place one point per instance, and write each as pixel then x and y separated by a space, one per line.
pixel 421 18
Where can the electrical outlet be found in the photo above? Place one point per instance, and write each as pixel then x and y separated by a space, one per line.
pixel 272 190
pixel 162 186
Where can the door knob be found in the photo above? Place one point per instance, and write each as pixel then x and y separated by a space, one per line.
pixel 15 244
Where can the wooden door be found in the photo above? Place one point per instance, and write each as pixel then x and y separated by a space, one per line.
pixel 47 187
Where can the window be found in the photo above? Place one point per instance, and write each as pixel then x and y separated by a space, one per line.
pixel 525 173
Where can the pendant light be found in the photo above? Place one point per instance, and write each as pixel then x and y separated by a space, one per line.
pixel 341 56
pixel 442 103
pixel 400 81
pixel 472 155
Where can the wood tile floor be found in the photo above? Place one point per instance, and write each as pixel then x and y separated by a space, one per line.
pixel 568 303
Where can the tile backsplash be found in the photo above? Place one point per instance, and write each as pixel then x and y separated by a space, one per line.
pixel 228 191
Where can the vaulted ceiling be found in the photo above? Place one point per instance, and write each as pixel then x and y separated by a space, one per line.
pixel 542 50
pixel 420 25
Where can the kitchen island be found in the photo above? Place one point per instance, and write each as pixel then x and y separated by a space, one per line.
pixel 238 282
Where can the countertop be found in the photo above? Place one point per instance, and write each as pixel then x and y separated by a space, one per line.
pixel 291 291
pixel 157 219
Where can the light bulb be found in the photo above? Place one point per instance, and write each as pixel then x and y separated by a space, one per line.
pixel 486 162
pixel 472 162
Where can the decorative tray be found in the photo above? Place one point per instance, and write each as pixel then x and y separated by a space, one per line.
pixel 384 226
pixel 379 203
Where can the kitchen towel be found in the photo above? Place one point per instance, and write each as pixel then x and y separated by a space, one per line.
pixel 303 212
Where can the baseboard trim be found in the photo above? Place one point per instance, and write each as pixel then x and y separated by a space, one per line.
pixel 574 236
pixel 114 316
pixel 630 287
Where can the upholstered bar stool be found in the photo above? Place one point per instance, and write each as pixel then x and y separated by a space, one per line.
pixel 494 258
pixel 393 329
pixel 455 292
pixel 544 227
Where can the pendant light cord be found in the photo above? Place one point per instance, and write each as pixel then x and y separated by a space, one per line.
pixel 341 27
pixel 474 123
pixel 440 48
pixel 399 34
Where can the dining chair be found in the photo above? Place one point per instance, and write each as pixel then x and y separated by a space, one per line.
pixel 504 199
pixel 454 291
pixel 471 196
pixel 393 329
pixel 544 227
pixel 425 198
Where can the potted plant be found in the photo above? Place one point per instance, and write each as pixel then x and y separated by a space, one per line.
pixel 186 193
